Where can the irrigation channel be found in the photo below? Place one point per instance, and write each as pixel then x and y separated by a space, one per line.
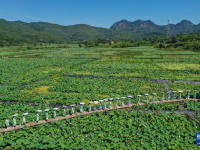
pixel 152 80
pixel 32 124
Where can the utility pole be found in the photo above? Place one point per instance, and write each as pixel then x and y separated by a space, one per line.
pixel 168 29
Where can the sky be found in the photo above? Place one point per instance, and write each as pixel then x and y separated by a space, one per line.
pixel 100 13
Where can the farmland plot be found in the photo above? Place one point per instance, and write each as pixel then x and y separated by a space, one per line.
pixel 77 75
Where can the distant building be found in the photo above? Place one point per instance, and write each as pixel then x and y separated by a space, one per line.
pixel 108 41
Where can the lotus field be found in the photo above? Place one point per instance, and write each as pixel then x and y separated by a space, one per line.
pixel 109 130
pixel 75 75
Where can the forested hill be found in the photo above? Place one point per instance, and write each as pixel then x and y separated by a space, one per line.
pixel 148 26
pixel 19 33
pixel 82 32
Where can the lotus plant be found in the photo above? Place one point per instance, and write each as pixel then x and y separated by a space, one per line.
pixel 118 123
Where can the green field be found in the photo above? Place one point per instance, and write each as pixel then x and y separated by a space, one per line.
pixel 47 78
pixel 73 75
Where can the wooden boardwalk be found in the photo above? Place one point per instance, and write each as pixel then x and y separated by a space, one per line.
pixel 31 124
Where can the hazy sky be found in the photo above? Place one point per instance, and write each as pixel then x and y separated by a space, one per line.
pixel 100 13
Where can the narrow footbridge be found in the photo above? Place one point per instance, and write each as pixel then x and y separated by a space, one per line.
pixel 31 124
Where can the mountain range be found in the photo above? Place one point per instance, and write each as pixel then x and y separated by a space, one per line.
pixel 18 32
pixel 148 26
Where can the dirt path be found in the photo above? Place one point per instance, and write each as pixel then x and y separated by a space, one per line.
pixel 152 80
pixel 24 55
pixel 31 54
pixel 189 117
pixel 31 124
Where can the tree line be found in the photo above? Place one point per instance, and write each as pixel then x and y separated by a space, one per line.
pixel 183 41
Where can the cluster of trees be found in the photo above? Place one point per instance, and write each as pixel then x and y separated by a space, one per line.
pixel 123 44
pixel 183 41
pixel 23 37
pixel 94 43
pixel 114 43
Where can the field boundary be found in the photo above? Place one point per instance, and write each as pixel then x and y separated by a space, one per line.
pixel 152 80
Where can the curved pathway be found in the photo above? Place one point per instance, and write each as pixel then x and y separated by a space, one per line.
pixel 31 124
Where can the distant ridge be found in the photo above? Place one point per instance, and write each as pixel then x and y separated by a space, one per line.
pixel 140 26
pixel 19 33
